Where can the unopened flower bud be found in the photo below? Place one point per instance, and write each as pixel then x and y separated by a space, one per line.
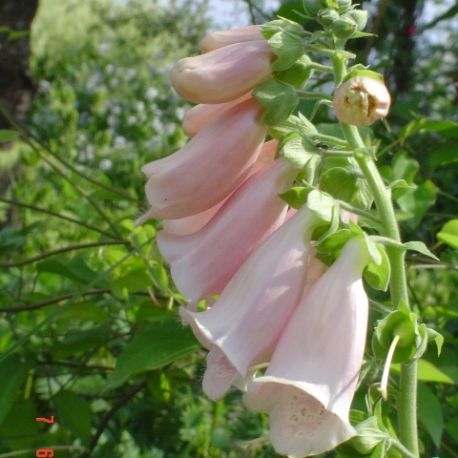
pixel 343 5
pixel 327 17
pixel 360 17
pixel 344 27
pixel 312 7
pixel 361 100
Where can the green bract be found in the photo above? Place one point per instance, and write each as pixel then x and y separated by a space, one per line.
pixel 402 323
pixel 285 39
pixel 298 73
pixel 278 98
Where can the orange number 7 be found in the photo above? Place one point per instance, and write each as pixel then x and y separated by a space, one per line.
pixel 44 452
pixel 49 420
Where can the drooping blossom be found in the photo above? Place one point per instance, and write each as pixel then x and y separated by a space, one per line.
pixel 200 115
pixel 310 382
pixel 224 74
pixel 193 223
pixel 209 167
pixel 243 326
pixel 361 101
pixel 220 38
pixel 203 263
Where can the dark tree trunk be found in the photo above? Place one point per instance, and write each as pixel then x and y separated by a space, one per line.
pixel 16 86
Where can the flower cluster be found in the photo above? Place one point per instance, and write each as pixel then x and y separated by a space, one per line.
pixel 280 326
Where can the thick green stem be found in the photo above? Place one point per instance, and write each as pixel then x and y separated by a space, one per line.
pixel 407 401
pixel 398 285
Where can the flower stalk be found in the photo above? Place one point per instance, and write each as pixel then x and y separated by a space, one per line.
pixel 407 402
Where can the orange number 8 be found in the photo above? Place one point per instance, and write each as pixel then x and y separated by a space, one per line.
pixel 44 452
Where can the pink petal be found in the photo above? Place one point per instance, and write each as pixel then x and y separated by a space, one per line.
pixel 251 312
pixel 201 115
pixel 193 223
pixel 224 74
pixel 309 385
pixel 218 39
pixel 204 262
pixel 209 167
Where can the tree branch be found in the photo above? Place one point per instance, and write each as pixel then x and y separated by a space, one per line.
pixel 48 254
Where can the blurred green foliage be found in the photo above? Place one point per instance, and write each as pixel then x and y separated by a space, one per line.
pixel 88 325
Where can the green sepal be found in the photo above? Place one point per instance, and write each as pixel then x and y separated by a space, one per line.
pixel 298 74
pixel 291 125
pixel 278 98
pixel 378 275
pixel 296 196
pixel 328 248
pixel 402 323
pixel 321 205
pixel 438 339
pixel 327 17
pixel 360 18
pixel 286 40
pixel 312 7
pixel 363 72
pixel 344 27
pixel 301 153
pixel 343 6
pixel 340 182
pixel 369 436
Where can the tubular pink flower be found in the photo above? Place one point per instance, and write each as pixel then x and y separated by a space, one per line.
pixel 201 115
pixel 203 263
pixel 209 167
pixel 223 74
pixel 218 39
pixel 242 327
pixel 309 385
pixel 361 101
pixel 193 223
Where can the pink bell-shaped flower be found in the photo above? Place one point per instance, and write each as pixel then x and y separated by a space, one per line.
pixel 310 382
pixel 220 38
pixel 209 167
pixel 200 115
pixel 223 74
pixel 203 263
pixel 243 326
pixel 193 223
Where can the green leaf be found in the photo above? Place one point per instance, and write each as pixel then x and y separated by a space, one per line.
pixel 8 135
pixel 428 372
pixel 449 233
pixel 74 412
pixel 430 413
pixel 278 98
pixel 321 205
pixel 444 155
pixel 82 312
pixel 154 347
pixel 19 429
pixel 12 375
pixel 75 269
pixel 340 183
pixel 417 203
pixel 420 247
